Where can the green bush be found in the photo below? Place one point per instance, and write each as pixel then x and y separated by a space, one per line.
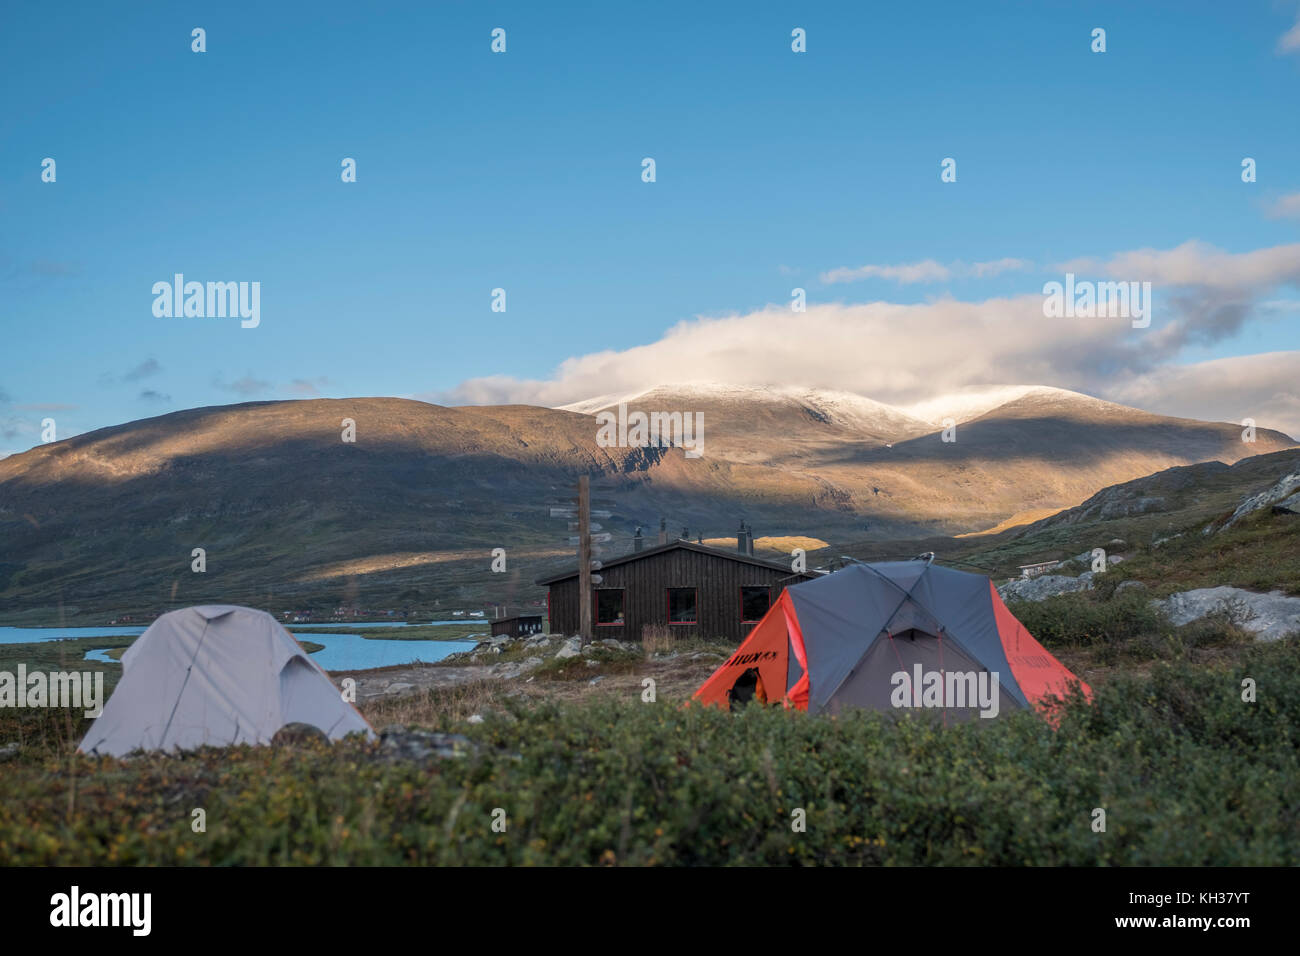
pixel 1083 619
pixel 1188 773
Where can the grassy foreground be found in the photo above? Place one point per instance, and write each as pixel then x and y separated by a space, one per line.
pixel 1186 771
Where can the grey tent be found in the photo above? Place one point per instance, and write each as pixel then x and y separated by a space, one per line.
pixel 216 675
pixel 898 634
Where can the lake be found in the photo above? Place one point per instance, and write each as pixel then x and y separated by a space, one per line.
pixel 342 652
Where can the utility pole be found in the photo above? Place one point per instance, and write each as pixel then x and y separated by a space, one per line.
pixel 584 559
pixel 588 544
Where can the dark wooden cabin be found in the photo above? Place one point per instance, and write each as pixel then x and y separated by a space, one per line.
pixel 521 625
pixel 694 590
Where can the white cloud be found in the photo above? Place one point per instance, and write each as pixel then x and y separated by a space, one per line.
pixel 1200 265
pixel 1285 207
pixel 925 271
pixel 904 354
pixel 892 353
pixel 1262 387
pixel 1289 42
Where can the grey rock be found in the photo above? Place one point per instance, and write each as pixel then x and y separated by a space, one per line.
pixel 397 687
pixel 1124 507
pixel 1044 586
pixel 1291 504
pixel 1129 586
pixel 513 669
pixel 1286 490
pixel 572 647
pixel 1271 616
pixel 9 752
pixel 400 743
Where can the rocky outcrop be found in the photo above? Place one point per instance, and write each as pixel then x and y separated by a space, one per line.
pixel 1283 496
pixel 1268 616
pixel 1044 586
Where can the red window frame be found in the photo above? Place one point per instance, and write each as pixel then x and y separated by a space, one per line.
pixel 595 607
pixel 740 594
pixel 668 607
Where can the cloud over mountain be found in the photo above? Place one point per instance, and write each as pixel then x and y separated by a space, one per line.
pixel 907 353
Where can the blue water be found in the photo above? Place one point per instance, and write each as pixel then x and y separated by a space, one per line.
pixel 352 652
pixel 32 635
pixel 342 652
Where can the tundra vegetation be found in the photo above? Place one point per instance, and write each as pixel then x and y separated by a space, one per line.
pixel 1190 745
pixel 1188 772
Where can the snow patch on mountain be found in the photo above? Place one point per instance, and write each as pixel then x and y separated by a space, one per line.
pixel 969 404
pixel 843 407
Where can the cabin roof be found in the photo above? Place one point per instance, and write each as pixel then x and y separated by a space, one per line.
pixel 672 545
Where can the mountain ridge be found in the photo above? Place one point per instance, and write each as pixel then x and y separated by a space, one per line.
pixel 416 504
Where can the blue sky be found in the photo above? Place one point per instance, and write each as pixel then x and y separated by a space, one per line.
pixel 522 171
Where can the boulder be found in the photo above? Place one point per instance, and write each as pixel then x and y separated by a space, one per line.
pixel 1270 616
pixel 572 647
pixel 513 669
pixel 1044 586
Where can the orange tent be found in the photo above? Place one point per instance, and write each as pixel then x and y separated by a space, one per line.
pixel 900 634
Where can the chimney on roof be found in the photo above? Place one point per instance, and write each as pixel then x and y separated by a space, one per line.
pixel 749 541
pixel 686 533
pixel 638 542
pixel 699 538
pixel 663 530
pixel 740 538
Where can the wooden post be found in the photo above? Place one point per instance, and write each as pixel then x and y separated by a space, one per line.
pixel 584 559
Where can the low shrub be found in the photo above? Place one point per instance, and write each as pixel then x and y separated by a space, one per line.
pixel 1187 772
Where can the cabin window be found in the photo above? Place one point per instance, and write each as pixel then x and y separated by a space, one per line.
pixel 609 607
pixel 681 606
pixel 754 603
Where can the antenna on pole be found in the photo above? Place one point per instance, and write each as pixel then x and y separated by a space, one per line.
pixel 584 560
